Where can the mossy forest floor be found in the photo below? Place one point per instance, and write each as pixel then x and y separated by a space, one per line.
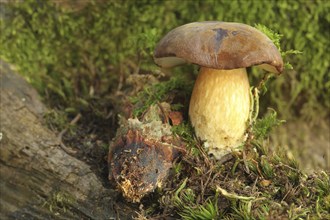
pixel 93 61
pixel 259 182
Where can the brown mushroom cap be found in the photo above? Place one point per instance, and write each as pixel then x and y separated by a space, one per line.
pixel 218 45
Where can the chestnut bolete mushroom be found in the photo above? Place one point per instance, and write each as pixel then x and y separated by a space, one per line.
pixel 220 102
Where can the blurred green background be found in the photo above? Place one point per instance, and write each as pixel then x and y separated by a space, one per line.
pixel 76 51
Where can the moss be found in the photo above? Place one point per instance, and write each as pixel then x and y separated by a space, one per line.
pixel 276 38
pixel 262 127
pixel 243 194
pixel 163 91
pixel 59 201
pixel 71 53
pixel 56 120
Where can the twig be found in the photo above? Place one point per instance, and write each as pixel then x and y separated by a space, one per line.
pixel 206 183
pixel 92 70
pixel 163 112
pixel 232 195
pixel 287 166
pixel 254 184
pixel 60 135
pixel 245 163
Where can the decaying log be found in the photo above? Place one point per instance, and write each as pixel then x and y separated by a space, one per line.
pixel 38 179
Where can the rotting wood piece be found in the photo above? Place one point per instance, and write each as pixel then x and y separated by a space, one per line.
pixel 142 153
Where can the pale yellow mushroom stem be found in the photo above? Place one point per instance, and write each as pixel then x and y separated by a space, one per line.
pixel 219 109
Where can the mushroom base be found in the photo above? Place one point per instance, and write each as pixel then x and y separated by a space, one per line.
pixel 219 109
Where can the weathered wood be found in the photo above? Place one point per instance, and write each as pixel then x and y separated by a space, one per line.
pixel 35 169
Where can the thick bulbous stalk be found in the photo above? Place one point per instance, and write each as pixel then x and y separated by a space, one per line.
pixel 219 109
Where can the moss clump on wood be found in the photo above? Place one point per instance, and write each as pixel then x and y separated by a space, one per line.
pixel 59 201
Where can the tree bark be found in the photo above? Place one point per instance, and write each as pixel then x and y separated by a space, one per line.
pixel 39 180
